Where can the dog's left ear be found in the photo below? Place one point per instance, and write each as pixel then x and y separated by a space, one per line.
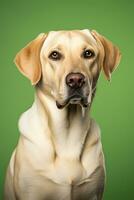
pixel 112 55
pixel 28 59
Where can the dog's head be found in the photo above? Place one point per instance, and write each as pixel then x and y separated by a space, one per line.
pixel 67 64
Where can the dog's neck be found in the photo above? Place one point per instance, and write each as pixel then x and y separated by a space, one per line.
pixel 68 126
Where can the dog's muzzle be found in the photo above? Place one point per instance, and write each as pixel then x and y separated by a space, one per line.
pixel 75 85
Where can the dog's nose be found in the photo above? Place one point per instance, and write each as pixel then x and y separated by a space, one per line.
pixel 75 80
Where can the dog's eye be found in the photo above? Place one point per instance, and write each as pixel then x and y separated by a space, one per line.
pixel 55 55
pixel 88 54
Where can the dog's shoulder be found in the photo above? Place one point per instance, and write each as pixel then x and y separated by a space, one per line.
pixel 24 122
pixel 29 121
pixel 95 128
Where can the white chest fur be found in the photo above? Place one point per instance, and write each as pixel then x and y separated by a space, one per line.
pixel 65 153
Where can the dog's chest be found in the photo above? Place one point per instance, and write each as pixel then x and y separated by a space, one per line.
pixel 65 171
pixel 68 180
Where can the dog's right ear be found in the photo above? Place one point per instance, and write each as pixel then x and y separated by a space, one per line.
pixel 28 59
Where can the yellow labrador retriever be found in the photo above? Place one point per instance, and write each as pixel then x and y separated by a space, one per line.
pixel 59 154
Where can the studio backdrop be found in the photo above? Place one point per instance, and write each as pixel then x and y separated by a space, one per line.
pixel 113 106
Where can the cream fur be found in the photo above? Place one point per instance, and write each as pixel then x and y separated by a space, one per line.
pixel 59 154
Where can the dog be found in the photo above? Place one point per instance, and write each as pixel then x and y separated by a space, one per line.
pixel 59 154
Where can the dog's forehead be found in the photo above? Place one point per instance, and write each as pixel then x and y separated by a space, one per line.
pixel 68 37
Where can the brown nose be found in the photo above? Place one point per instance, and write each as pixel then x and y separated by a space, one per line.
pixel 75 80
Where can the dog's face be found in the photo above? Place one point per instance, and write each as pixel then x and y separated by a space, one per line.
pixel 69 61
pixel 67 64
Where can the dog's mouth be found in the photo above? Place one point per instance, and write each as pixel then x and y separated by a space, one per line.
pixel 76 98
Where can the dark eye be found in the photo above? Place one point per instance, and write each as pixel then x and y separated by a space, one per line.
pixel 55 55
pixel 88 54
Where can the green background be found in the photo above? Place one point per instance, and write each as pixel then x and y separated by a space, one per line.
pixel 20 22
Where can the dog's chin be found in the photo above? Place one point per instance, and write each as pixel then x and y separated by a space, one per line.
pixel 83 101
